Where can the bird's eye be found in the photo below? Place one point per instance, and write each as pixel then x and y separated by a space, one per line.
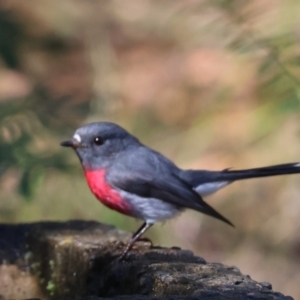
pixel 98 141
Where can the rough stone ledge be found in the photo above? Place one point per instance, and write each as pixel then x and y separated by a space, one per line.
pixel 79 259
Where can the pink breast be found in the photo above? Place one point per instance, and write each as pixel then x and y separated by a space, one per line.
pixel 104 192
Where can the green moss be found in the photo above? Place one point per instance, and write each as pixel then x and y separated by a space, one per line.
pixel 28 256
pixel 50 287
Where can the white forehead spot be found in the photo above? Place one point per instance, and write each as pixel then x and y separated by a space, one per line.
pixel 77 137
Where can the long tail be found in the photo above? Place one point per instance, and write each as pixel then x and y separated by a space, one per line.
pixel 208 182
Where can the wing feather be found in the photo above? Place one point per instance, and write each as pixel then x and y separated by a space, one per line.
pixel 165 187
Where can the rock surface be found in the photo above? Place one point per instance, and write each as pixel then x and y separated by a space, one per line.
pixel 80 259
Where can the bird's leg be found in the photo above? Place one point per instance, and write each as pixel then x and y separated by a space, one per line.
pixel 145 226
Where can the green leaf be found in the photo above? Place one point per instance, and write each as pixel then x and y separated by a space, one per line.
pixel 30 181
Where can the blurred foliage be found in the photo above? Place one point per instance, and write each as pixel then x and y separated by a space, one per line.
pixel 210 83
pixel 28 130
pixel 30 126
pixel 10 34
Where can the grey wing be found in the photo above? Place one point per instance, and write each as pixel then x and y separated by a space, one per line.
pixel 153 176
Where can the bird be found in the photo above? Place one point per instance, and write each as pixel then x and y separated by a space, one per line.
pixel 137 181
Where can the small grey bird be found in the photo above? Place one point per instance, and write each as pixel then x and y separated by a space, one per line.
pixel 131 178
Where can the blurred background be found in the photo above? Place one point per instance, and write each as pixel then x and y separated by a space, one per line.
pixel 211 84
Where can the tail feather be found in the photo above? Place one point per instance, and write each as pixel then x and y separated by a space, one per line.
pixel 284 169
pixel 207 182
pixel 197 177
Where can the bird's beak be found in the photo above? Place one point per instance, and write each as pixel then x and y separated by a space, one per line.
pixel 72 143
pixel 67 144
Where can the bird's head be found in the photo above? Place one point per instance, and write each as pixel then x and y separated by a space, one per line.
pixel 96 144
